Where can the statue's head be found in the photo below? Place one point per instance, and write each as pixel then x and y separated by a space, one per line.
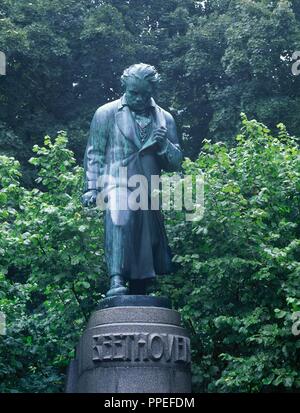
pixel 139 81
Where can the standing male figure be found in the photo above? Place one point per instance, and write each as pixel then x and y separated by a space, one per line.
pixel 132 132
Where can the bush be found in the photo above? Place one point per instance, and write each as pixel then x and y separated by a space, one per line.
pixel 238 283
pixel 51 269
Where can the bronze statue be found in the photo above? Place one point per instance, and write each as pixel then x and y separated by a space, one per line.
pixel 132 132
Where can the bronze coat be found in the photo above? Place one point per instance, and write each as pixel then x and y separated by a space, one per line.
pixel 135 241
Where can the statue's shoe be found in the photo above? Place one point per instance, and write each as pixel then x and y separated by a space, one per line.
pixel 118 290
pixel 117 286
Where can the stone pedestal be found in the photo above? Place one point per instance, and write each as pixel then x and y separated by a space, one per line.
pixel 132 344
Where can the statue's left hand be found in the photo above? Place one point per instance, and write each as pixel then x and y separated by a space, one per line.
pixel 160 137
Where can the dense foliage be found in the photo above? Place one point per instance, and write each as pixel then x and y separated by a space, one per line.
pixel 50 267
pixel 236 286
pixel 217 58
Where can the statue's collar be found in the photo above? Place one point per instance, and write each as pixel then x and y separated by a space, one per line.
pixel 123 102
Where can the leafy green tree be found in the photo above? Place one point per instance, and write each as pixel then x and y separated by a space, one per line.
pixel 217 58
pixel 235 56
pixel 64 59
pixel 51 268
pixel 238 283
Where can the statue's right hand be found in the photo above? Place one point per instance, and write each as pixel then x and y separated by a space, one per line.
pixel 89 198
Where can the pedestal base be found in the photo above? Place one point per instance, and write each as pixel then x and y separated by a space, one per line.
pixel 132 349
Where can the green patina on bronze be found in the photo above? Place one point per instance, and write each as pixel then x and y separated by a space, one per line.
pixel 135 132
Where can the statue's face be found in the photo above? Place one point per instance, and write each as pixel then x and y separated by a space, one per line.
pixel 138 94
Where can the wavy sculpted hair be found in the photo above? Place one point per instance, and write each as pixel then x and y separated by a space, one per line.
pixel 141 71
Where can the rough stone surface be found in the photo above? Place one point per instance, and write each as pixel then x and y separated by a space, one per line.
pixel 135 300
pixel 134 315
pixel 72 377
pixel 133 350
